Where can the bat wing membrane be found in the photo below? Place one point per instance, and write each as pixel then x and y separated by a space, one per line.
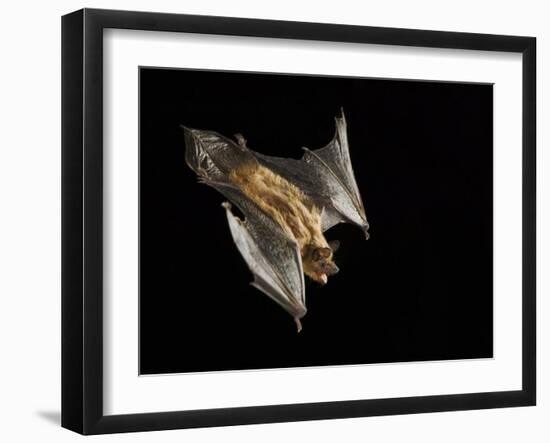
pixel 327 177
pixel 272 257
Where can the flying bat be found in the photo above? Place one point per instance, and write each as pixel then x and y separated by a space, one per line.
pixel 287 205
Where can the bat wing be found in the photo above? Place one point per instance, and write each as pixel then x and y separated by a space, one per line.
pixel 273 258
pixel 327 177
pixel 213 156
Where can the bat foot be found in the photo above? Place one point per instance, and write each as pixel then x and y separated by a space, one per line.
pixel 366 229
pixel 298 324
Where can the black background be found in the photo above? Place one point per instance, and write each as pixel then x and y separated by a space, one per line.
pixel 419 289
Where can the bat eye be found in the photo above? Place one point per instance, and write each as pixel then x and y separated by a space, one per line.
pixel 321 253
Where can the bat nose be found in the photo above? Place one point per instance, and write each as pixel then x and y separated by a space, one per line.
pixel 335 269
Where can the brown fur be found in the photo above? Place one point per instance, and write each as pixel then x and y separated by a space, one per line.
pixel 292 210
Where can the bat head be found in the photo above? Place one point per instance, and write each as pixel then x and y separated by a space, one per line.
pixel 319 263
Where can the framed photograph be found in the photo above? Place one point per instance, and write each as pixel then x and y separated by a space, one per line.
pixel 269 221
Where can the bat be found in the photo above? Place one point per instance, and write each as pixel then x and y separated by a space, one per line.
pixel 287 205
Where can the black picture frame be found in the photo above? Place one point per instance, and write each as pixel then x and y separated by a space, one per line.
pixel 82 220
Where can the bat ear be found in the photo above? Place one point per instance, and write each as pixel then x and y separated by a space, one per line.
pixel 334 245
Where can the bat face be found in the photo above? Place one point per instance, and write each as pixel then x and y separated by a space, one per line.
pixel 319 264
pixel 288 205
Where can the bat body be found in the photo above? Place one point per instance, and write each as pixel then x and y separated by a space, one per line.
pixel 288 204
pixel 293 211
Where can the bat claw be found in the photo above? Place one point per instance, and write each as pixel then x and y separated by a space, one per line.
pixel 241 141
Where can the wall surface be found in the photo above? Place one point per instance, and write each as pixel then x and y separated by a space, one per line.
pixel 30 219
